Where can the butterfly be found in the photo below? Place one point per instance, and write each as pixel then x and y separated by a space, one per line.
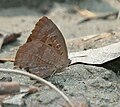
pixel 45 51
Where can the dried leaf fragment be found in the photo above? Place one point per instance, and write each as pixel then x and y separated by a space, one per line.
pixel 96 56
pixel 9 87
pixel 6 39
pixel 11 38
pixel 85 13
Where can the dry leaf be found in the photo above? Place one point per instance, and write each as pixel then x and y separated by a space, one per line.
pixel 4 40
pixel 14 101
pixel 11 38
pixel 8 56
pixel 111 16
pixel 85 13
pixel 96 56
pixel 93 41
pixel 13 93
pixel 9 87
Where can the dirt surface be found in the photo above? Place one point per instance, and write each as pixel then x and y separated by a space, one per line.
pixel 100 86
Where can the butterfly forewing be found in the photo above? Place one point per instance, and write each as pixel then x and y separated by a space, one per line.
pixel 47 32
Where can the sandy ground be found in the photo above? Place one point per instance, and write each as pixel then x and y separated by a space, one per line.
pixel 100 86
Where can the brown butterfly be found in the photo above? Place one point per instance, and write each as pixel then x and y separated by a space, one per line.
pixel 45 51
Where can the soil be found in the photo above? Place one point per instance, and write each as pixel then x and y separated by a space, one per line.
pixel 100 86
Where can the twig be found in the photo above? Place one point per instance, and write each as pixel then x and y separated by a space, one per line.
pixel 104 17
pixel 40 80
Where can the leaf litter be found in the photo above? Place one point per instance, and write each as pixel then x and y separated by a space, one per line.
pixel 93 61
pixel 97 56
